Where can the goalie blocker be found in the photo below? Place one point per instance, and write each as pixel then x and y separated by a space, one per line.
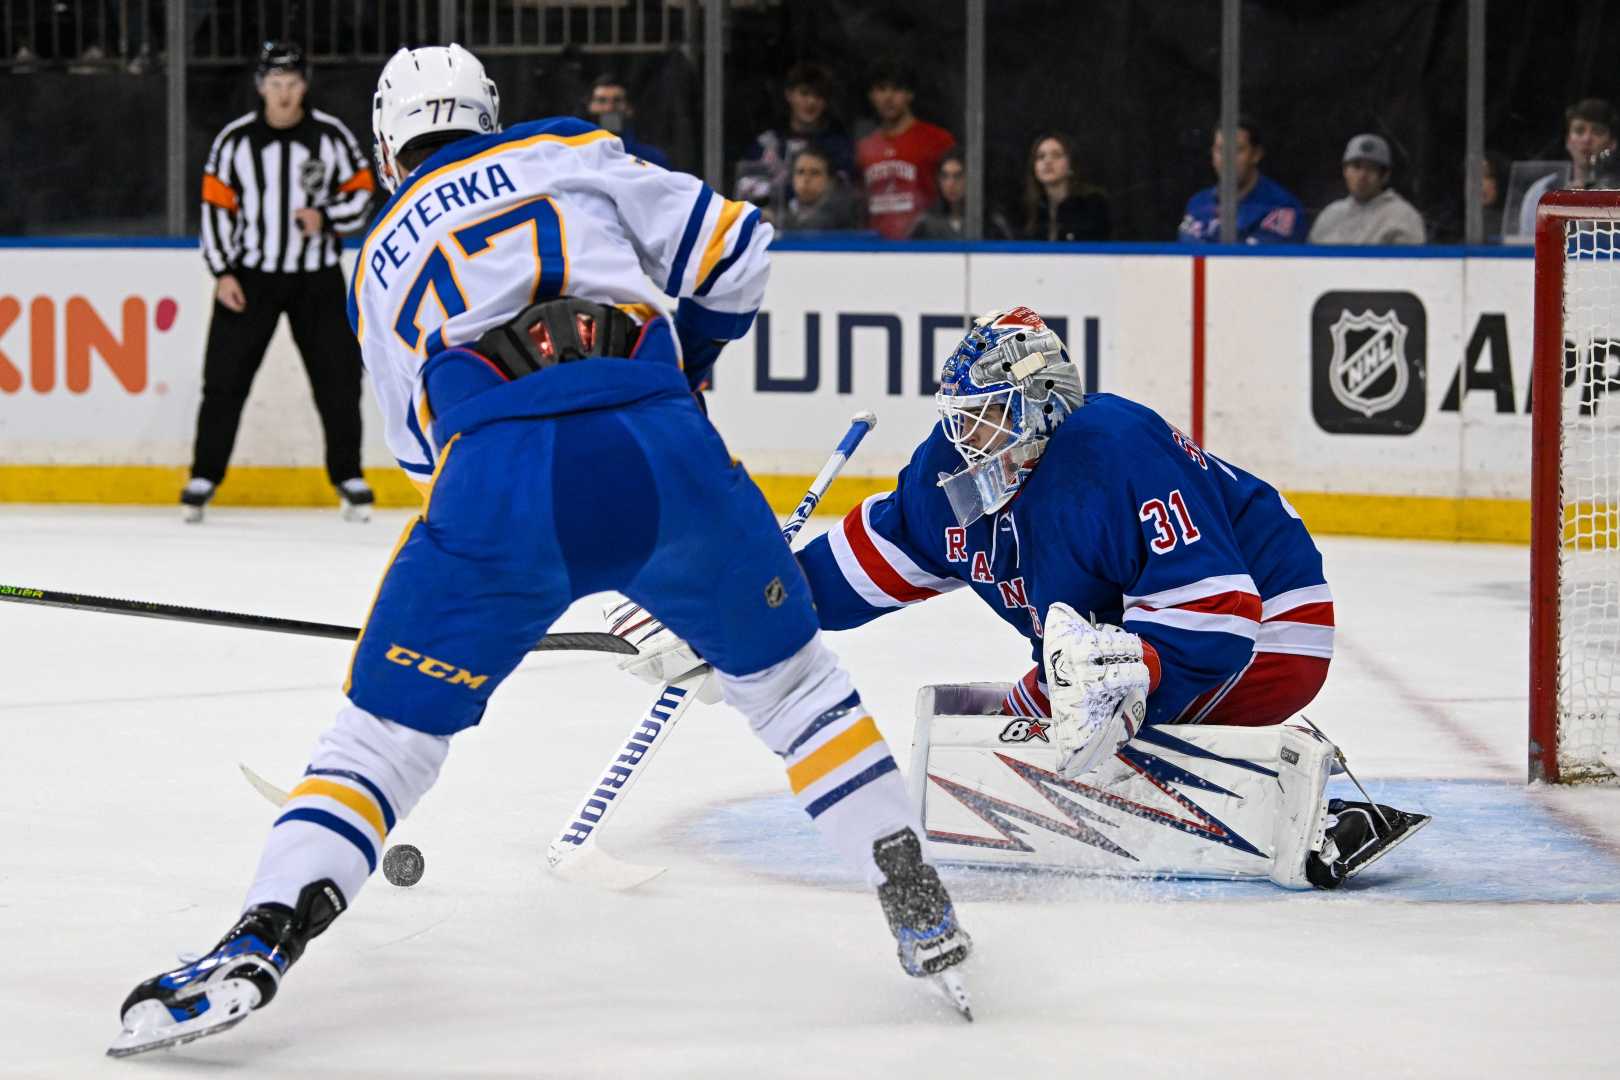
pixel 1175 801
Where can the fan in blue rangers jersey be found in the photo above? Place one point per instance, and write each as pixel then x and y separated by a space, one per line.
pixel 508 301
pixel 1095 528
pixel 1267 212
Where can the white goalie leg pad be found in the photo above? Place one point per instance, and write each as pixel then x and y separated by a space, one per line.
pixel 366 774
pixel 1304 761
pixel 947 699
pixel 1176 801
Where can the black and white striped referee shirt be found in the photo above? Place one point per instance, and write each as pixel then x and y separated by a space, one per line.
pixel 258 175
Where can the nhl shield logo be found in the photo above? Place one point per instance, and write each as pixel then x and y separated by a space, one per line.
pixel 1369 373
pixel 1368 363
pixel 775 593
pixel 312 178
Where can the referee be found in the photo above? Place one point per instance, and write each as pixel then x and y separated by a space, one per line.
pixel 280 184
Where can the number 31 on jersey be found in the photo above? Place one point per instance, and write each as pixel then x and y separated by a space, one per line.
pixel 1165 520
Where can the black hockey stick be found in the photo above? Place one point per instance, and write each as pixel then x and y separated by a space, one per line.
pixel 585 641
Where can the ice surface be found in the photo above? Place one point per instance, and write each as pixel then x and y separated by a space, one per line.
pixel 1488 946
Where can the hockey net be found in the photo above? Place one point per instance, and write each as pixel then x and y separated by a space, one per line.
pixel 1575 490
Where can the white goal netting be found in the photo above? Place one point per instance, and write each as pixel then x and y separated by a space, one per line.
pixel 1588 694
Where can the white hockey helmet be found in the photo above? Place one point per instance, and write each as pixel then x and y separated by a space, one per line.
pixel 439 88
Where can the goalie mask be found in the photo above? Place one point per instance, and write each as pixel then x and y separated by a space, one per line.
pixel 429 91
pixel 1002 394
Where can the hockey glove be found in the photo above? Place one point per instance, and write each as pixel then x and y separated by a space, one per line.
pixel 661 656
pixel 1098 684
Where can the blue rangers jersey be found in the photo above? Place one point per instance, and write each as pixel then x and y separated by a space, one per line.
pixel 492 223
pixel 1268 214
pixel 1125 518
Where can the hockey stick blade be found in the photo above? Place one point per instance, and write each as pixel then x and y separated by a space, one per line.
pixel 593 866
pixel 274 795
pixel 574 641
pixel 574 854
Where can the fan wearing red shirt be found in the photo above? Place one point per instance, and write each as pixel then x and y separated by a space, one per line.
pixel 897 162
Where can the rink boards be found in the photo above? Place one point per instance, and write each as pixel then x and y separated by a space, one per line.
pixel 1386 392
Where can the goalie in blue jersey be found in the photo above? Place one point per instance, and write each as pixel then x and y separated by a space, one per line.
pixel 1156 583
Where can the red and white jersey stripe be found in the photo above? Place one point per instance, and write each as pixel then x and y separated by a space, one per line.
pixel 879 572
pixel 1027 696
pixel 1226 603
pixel 1299 621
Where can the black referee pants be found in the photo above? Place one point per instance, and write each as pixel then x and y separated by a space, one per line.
pixel 314 303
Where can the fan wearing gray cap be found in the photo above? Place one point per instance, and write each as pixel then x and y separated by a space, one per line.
pixel 1372 213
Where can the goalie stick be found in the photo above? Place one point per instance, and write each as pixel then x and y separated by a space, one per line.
pixel 573 641
pixel 575 854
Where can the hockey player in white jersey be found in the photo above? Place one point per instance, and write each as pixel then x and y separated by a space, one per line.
pixel 532 382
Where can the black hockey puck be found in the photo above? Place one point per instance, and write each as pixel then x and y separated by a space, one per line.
pixel 403 865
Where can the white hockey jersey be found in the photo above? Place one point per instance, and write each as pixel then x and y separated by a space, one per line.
pixel 492 223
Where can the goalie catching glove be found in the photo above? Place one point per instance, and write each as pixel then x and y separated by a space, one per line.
pixel 661 655
pixel 1098 682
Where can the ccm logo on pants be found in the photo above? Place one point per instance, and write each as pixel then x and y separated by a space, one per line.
pixel 436 669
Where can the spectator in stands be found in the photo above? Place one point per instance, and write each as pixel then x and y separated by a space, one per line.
pixel 1589 130
pixel 821 201
pixel 1372 212
pixel 610 107
pixel 764 174
pixel 947 218
pixel 1267 212
pixel 1493 180
pixel 1057 204
pixel 898 161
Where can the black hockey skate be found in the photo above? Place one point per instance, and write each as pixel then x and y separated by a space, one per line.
pixel 1362 834
pixel 216 992
pixel 193 498
pixel 921 917
pixel 357 499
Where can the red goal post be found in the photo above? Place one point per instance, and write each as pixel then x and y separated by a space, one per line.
pixel 1575 490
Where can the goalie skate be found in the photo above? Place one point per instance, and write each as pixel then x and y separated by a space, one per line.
pixel 1359 834
pixel 930 942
